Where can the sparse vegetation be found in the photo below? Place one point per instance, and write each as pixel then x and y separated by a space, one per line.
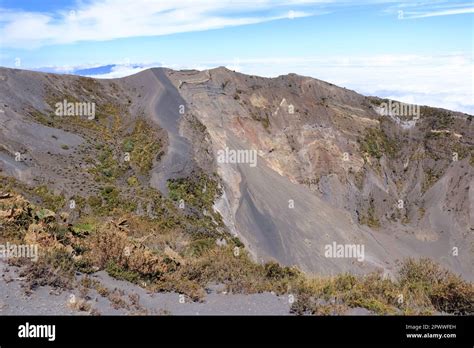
pixel 55 268
pixel 142 146
pixel 431 177
pixel 197 125
pixel 370 218
pixel 376 144
pixel 422 285
pixel 438 118
pixel 265 120
pixel 107 168
pixel 199 191
pixel 48 199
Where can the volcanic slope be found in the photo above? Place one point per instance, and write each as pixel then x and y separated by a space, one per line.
pixel 330 168
pixel 333 169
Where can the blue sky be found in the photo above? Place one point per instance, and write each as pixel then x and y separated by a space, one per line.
pixel 414 51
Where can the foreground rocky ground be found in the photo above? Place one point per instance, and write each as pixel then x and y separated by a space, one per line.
pixel 100 294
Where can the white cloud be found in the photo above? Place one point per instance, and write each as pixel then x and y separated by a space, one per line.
pixel 416 9
pixel 112 19
pixel 414 15
pixel 123 70
pixel 100 20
